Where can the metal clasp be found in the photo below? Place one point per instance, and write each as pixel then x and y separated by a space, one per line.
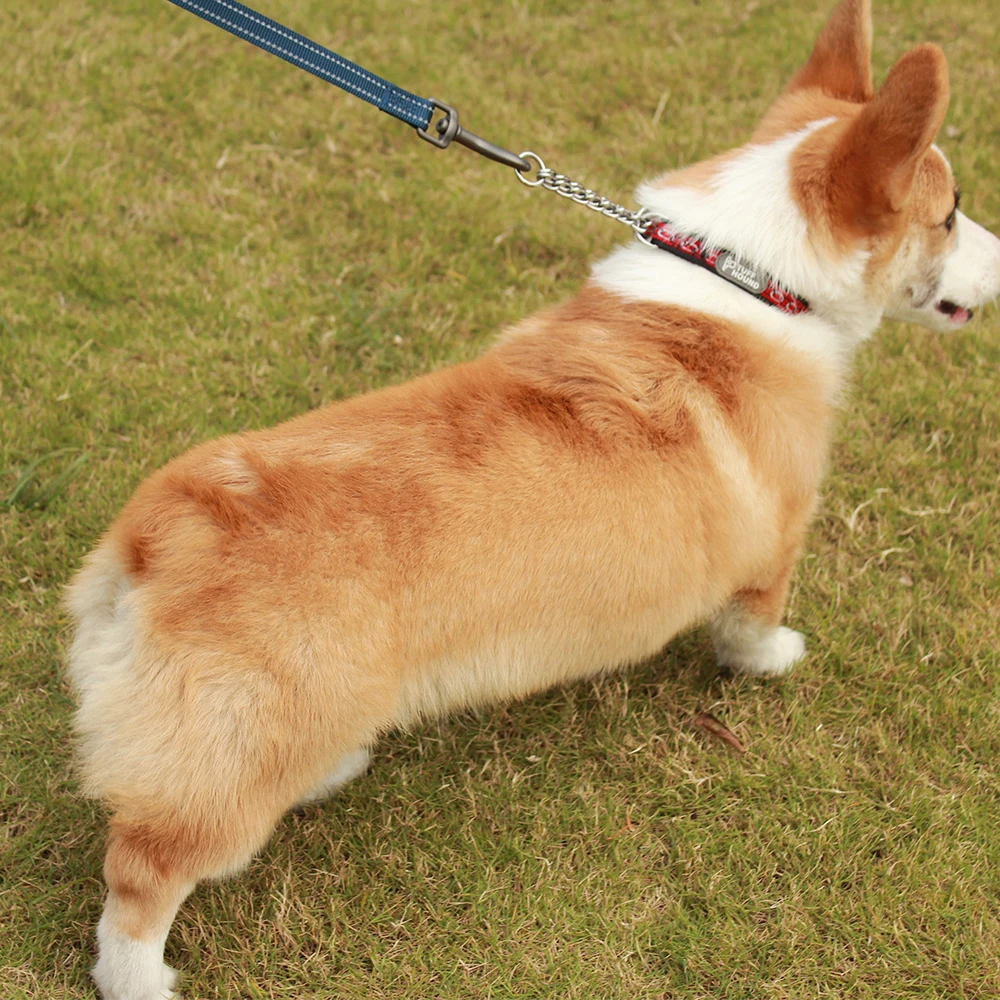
pixel 447 127
pixel 448 131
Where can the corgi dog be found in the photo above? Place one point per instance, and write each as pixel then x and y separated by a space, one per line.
pixel 616 469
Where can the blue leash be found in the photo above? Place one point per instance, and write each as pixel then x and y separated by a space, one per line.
pixel 300 51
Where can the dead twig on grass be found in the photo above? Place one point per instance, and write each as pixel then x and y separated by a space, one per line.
pixel 710 724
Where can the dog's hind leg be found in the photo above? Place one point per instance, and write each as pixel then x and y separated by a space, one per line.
pixel 219 811
pixel 197 803
pixel 352 765
pixel 143 896
pixel 152 864
pixel 199 747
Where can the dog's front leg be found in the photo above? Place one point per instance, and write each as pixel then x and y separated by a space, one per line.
pixel 747 635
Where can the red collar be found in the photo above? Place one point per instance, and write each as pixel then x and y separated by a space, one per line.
pixel 739 272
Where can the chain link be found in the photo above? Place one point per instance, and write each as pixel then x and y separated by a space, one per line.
pixel 563 185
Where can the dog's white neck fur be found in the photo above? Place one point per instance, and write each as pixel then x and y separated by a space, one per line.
pixel 748 208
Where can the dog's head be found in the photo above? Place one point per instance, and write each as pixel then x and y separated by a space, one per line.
pixel 844 191
pixel 872 178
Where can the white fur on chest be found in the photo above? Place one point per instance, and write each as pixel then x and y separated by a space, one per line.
pixel 645 274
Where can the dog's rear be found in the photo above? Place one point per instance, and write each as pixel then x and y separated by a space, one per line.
pixel 639 459
pixel 168 757
pixel 204 713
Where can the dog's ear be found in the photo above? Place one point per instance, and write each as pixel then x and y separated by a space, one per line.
pixel 873 165
pixel 841 62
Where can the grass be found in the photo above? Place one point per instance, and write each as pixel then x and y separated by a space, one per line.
pixel 198 239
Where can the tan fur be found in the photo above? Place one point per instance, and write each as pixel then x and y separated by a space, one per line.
pixel 609 474
pixel 840 64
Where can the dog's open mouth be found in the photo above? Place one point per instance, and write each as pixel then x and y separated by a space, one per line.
pixel 959 315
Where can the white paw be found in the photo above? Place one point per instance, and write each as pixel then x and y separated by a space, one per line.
pixel 129 969
pixel 769 652
pixel 349 767
pixel 169 981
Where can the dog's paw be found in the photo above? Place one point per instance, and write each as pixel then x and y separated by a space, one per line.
pixel 132 970
pixel 769 654
pixel 349 767
pixel 167 992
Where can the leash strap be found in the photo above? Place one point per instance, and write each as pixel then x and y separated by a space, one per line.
pixel 300 51
pixel 314 58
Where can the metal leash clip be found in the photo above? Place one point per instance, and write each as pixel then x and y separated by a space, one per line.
pixel 448 131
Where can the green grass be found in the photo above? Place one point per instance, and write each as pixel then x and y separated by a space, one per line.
pixel 197 238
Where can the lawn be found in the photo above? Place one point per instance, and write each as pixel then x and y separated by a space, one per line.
pixel 197 238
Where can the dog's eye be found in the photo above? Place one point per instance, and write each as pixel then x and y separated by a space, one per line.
pixel 949 223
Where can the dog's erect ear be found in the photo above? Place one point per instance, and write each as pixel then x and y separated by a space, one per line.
pixel 875 161
pixel 841 62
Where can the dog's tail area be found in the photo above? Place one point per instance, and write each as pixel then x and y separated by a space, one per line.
pixel 104 666
pixel 100 601
pixel 93 599
pixel 168 722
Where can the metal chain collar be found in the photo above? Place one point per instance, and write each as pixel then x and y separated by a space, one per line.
pixel 561 184
pixel 657 232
